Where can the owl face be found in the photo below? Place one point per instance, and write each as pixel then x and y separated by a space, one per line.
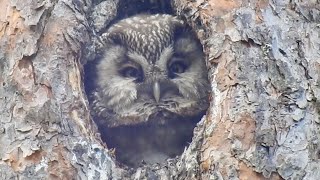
pixel 151 67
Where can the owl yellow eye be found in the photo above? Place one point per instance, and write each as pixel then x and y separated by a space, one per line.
pixel 177 67
pixel 131 72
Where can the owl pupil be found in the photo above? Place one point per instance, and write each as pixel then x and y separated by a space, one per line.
pixel 177 68
pixel 132 72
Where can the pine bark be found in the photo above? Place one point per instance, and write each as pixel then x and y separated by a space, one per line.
pixel 263 62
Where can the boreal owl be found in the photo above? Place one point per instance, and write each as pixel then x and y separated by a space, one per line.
pixel 150 88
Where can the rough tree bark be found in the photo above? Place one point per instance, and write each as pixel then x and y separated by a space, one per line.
pixel 264 67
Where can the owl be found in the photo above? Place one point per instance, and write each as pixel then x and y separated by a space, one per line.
pixel 150 87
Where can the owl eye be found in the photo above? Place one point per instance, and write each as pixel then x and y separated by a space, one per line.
pixel 131 72
pixel 177 67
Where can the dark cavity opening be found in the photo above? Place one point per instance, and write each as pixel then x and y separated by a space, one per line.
pixel 166 132
pixel 150 143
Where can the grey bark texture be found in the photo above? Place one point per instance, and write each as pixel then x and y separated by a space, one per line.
pixel 264 64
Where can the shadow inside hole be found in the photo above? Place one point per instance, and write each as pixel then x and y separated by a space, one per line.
pixel 133 7
pixel 151 142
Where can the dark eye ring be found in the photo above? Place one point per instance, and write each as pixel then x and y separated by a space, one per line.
pixel 131 72
pixel 178 67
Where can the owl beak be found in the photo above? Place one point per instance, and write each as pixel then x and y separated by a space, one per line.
pixel 156 91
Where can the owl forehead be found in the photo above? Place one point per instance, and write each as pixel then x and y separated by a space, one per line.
pixel 149 44
pixel 146 35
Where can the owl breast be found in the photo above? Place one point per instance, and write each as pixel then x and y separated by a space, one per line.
pixel 151 74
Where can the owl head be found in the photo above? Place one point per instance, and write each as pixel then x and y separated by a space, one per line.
pixel 152 67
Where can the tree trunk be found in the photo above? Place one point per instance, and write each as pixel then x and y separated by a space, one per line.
pixel 263 64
